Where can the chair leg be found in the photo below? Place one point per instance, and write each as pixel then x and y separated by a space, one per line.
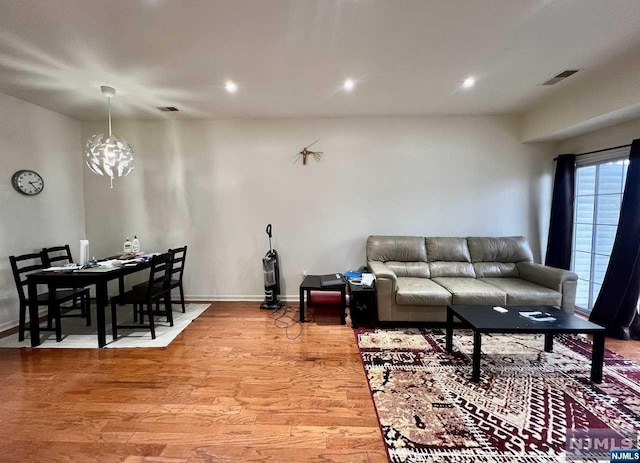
pixel 58 323
pixel 87 301
pixel 114 321
pixel 182 298
pixel 23 321
pixel 151 321
pixel 49 318
pixel 135 313
pixel 168 309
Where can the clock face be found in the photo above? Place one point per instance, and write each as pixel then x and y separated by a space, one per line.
pixel 27 182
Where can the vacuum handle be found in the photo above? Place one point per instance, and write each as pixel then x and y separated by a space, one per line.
pixel 269 234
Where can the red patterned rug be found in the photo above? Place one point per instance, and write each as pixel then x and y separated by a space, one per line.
pixel 530 406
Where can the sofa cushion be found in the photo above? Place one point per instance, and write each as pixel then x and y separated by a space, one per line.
pixel 496 270
pixel 522 292
pixel 420 291
pixel 448 249
pixel 501 249
pixel 409 269
pixel 396 248
pixel 452 269
pixel 472 291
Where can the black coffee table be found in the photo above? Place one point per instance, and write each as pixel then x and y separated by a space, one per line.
pixel 483 319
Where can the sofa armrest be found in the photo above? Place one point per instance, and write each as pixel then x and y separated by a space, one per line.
pixel 380 270
pixel 385 289
pixel 549 277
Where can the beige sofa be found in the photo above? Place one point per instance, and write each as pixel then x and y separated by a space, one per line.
pixel 417 277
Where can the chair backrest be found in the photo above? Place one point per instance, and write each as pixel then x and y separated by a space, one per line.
pixel 22 266
pixel 178 259
pixel 57 255
pixel 160 274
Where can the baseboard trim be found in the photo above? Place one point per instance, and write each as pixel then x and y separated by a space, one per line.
pixel 237 298
pixel 12 324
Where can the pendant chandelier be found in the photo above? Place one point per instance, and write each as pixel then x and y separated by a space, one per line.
pixel 109 156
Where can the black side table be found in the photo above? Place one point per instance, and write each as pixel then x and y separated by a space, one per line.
pixel 363 305
pixel 313 283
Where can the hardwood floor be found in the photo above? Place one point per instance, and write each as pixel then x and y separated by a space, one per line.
pixel 230 388
pixel 629 349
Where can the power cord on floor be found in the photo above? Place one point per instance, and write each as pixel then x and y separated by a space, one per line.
pixel 282 319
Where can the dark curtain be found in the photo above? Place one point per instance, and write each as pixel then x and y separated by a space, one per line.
pixel 616 306
pixel 561 224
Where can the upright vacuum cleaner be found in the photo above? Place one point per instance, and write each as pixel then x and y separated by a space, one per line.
pixel 271 269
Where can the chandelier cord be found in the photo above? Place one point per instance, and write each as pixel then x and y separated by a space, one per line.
pixel 109 105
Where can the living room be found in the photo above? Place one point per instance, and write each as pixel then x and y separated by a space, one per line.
pixel 421 119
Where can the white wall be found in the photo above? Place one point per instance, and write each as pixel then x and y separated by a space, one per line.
pixel 214 185
pixel 35 138
pixel 596 99
pixel 621 134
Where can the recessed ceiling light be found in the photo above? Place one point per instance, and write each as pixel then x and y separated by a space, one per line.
pixel 468 82
pixel 348 85
pixel 230 86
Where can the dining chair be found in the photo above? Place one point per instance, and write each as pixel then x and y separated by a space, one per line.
pixel 21 267
pixel 178 260
pixel 57 256
pixel 144 297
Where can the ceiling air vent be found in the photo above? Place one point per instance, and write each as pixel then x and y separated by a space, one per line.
pixel 168 109
pixel 560 77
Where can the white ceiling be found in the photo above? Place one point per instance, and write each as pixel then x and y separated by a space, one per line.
pixel 290 57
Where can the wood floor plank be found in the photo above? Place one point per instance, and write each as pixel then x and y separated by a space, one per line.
pixel 329 418
pixel 232 439
pixel 65 452
pixel 217 453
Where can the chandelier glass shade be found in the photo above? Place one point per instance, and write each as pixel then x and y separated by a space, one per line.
pixel 110 156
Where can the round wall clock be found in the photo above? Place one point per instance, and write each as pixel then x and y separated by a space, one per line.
pixel 27 182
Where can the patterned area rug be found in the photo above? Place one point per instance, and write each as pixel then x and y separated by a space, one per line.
pixel 527 403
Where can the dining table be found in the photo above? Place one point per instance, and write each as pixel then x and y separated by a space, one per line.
pixel 79 278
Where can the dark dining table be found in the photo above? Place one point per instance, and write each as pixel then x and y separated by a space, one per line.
pixel 78 279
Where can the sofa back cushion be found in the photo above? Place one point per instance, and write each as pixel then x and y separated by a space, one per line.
pixel 409 269
pixel 452 269
pixel 449 257
pixel 396 248
pixel 406 256
pixel 447 249
pixel 505 249
pixel 496 270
